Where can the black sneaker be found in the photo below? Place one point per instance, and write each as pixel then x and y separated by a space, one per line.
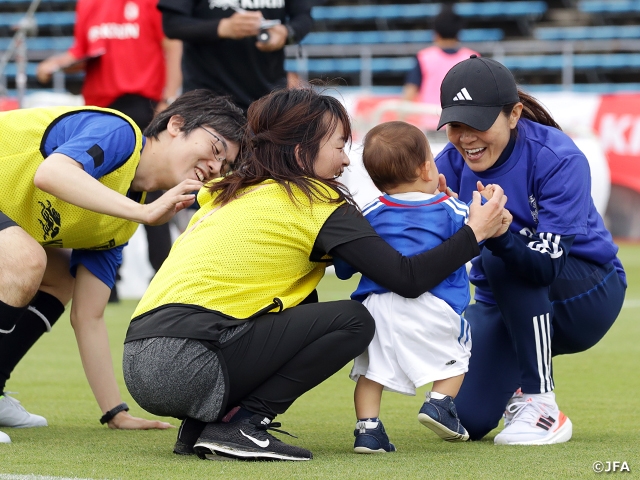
pixel 181 448
pixel 246 439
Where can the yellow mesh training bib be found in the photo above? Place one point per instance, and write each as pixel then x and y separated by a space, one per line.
pixel 237 258
pixel 49 220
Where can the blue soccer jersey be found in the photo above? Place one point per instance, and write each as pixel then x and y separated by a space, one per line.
pixel 548 184
pixel 413 223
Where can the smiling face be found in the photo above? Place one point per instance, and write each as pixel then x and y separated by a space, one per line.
pixel 481 150
pixel 332 159
pixel 201 155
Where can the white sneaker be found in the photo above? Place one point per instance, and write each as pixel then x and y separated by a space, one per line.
pixel 12 414
pixel 4 438
pixel 536 421
pixel 508 416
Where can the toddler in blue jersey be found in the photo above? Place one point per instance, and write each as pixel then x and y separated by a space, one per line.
pixel 417 340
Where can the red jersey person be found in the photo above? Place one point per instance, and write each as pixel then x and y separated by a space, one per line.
pixel 126 57
pixel 129 66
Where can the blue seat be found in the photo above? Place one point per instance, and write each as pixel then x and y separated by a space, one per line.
pixel 602 61
pixel 504 9
pixel 609 6
pixel 607 61
pixel 353 65
pixel 586 33
pixel 501 9
pixel 43 3
pixel 533 62
pixel 543 63
pixel 396 36
pixel 481 35
pixel 371 12
pixel 11 69
pixel 42 18
pixel 57 44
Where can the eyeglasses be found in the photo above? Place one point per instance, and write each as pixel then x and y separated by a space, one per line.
pixel 216 150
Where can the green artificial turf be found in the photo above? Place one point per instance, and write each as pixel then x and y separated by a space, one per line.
pixel 598 389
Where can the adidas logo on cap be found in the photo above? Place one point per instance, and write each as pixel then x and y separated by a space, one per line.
pixel 462 95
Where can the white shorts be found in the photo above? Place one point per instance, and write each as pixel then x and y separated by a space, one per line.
pixel 417 341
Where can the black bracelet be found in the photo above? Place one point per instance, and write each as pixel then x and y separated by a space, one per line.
pixel 123 407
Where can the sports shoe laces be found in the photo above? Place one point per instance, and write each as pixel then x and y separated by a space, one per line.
pixel 14 403
pixel 527 411
pixel 271 426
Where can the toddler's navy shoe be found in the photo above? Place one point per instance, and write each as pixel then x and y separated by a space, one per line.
pixel 441 417
pixel 371 437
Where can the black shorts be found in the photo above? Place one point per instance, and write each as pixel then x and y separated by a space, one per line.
pixel 6 222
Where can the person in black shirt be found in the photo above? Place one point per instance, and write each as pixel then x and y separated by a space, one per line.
pixel 222 51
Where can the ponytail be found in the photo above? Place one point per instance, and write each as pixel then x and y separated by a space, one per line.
pixel 532 110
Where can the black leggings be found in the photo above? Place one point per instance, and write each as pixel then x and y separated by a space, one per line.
pixel 281 356
pixel 284 355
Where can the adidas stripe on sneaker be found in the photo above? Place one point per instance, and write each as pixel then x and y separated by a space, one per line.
pixel 536 421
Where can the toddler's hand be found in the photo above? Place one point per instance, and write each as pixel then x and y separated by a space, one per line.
pixel 488 191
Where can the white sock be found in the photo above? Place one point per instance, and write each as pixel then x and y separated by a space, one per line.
pixel 548 398
pixel 436 395
pixel 368 422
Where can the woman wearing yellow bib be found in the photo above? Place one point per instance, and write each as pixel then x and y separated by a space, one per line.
pixel 230 332
pixel 72 195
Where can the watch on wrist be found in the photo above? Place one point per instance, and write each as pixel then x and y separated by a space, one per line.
pixel 123 407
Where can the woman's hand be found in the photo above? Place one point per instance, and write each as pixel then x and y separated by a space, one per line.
pixel 442 186
pixel 171 202
pixel 124 421
pixel 488 219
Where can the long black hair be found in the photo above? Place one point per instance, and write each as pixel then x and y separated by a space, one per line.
pixel 285 131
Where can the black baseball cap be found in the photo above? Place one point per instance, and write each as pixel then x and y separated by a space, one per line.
pixel 474 91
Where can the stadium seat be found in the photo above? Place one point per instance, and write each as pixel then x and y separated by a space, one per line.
pixel 353 65
pixel 44 2
pixel 609 6
pixel 505 9
pixel 515 62
pixel 397 36
pixel 50 44
pixel 371 12
pixel 42 18
pixel 602 61
pixel 11 69
pixel 532 9
pixel 587 33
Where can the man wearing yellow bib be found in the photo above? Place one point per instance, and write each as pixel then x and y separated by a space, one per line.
pixel 72 195
pixel 230 331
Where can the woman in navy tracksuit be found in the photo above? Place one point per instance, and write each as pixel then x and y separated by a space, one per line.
pixel 552 284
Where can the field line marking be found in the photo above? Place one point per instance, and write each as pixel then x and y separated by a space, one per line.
pixel 9 476
pixel 631 303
